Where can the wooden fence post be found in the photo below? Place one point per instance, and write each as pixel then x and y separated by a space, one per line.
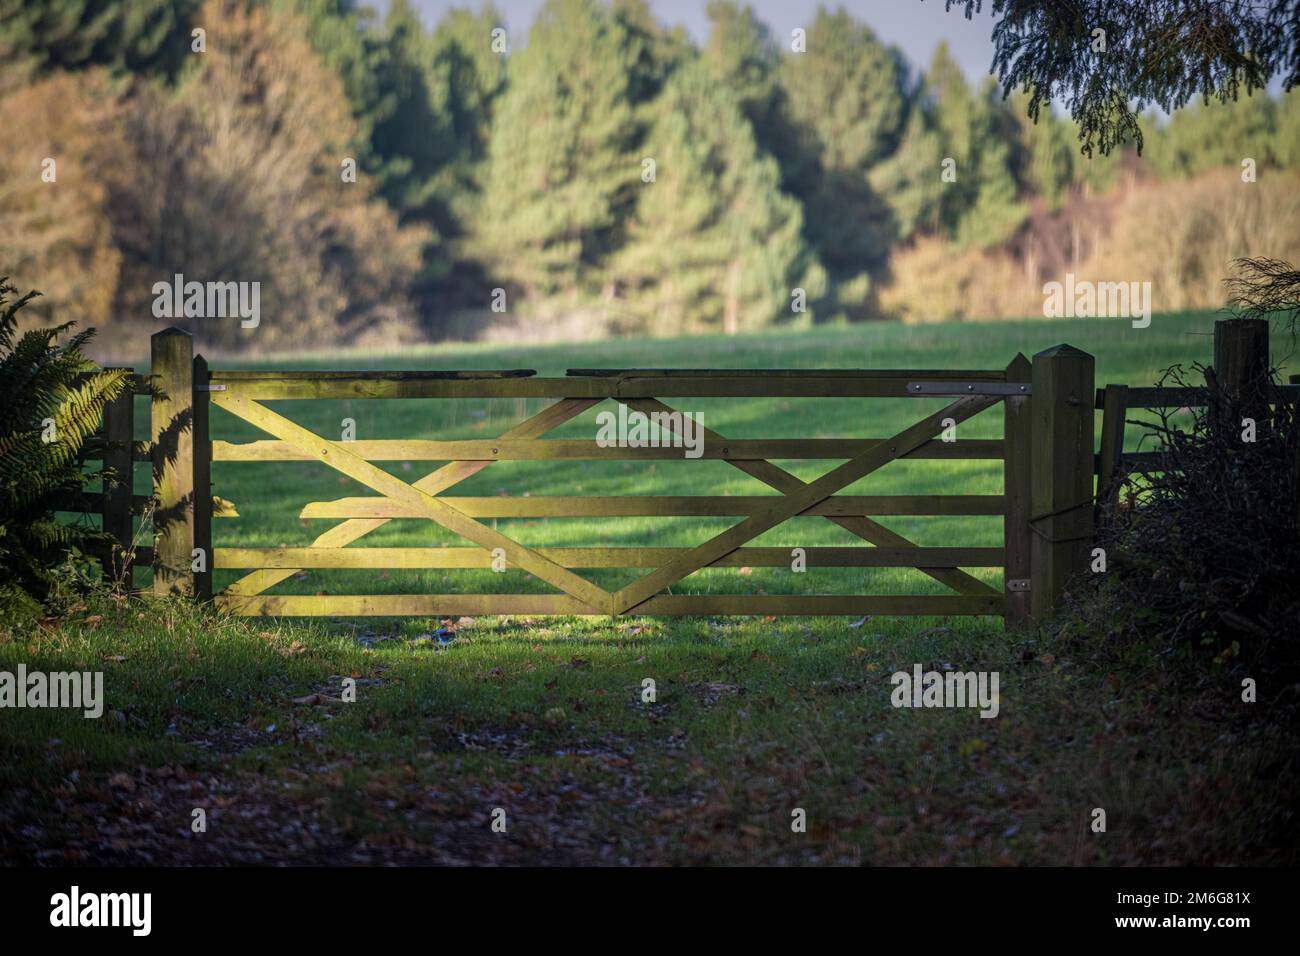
pixel 172 412
pixel 1062 426
pixel 1241 367
pixel 119 440
pixel 202 480
pixel 1111 457
pixel 1016 484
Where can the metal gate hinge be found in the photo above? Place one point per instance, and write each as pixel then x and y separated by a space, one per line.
pixel 969 388
pixel 1018 584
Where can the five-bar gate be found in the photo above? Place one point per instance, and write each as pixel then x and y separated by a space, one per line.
pixel 1045 506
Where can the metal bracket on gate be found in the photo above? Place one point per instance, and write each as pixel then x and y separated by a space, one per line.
pixel 209 388
pixel 969 388
pixel 1018 584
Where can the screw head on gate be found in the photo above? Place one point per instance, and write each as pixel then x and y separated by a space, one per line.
pixel 970 388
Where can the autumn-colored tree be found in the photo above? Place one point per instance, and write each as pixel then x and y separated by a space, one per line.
pixel 55 230
pixel 241 175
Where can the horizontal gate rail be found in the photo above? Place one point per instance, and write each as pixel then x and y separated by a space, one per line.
pixel 629 506
pixel 484 449
pixel 829 383
pixel 627 557
pixel 452 605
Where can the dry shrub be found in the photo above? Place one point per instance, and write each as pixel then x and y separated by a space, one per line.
pixel 233 176
pixel 1182 236
pixel 933 281
pixel 1203 557
pixel 237 178
pixel 58 235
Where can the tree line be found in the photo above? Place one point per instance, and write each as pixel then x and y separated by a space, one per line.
pixel 383 179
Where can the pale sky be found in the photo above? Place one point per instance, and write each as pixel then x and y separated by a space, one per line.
pixel 915 26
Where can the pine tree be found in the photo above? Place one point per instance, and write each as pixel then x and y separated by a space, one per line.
pixel 1200 137
pixel 742 56
pixel 563 161
pixel 977 133
pixel 715 245
pixel 135 36
pixel 908 180
pixel 844 107
pixel 1052 154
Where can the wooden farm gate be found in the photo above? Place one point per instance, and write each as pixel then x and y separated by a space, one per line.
pixel 1045 507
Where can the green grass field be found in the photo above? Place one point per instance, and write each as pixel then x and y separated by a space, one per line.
pixel 545 718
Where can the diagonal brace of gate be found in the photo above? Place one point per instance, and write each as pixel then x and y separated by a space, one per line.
pixel 435 482
pixel 796 501
pixel 354 466
pixel 776 477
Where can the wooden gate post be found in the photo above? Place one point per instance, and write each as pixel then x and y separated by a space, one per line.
pixel 172 413
pixel 1062 425
pixel 119 438
pixel 1017 444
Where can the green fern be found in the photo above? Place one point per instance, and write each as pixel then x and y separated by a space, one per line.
pixel 44 385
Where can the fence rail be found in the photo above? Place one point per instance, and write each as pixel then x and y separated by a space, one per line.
pixel 1240 371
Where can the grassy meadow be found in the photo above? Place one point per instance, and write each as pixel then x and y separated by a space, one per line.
pixel 545 718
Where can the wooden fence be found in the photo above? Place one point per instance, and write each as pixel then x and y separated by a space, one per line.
pixel 1240 368
pixel 1046 506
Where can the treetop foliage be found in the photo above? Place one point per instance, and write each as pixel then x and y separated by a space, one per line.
pixel 1108 60
pixel 607 163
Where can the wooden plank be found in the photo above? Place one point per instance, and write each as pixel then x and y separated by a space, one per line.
pixel 623 506
pixel 79 502
pixel 118 522
pixel 202 480
pixel 795 502
pixel 1062 497
pixel 1109 476
pixel 172 413
pixel 517 555
pixel 361 386
pixel 1016 490
pixel 669 605
pixel 439 480
pixel 92 502
pixel 1143 462
pixel 496 449
pixel 959 375
pixel 783 481
pixel 1191 397
pixel 375 375
pixel 627 557
pixel 1160 397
